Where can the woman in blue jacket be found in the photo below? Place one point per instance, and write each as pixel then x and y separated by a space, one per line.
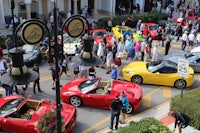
pixel 125 103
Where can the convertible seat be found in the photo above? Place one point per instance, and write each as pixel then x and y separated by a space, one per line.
pixel 99 91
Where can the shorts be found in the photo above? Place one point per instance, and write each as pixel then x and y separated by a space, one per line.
pixel 76 72
pixel 191 43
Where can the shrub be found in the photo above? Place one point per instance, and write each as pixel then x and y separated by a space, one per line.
pixel 146 125
pixel 117 20
pixel 188 104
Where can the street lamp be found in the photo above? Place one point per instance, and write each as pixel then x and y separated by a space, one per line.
pixel 56 54
pixel 12 7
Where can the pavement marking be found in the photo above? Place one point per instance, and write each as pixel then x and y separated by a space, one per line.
pixel 97 124
pixel 146 100
pixel 167 92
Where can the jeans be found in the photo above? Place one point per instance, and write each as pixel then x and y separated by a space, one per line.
pixel 112 120
pixel 183 45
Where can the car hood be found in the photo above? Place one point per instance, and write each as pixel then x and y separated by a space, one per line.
pixel 136 66
pixel 6 99
pixel 174 57
pixel 29 55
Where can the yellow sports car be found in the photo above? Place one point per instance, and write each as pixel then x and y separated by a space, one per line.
pixel 122 31
pixel 158 73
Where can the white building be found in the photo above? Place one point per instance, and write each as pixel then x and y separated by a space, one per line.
pixel 32 8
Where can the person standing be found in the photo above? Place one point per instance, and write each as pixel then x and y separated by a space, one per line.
pixel 184 40
pixel 113 73
pixel 198 39
pixel 115 108
pixel 181 119
pixel 143 43
pixel 64 65
pixel 8 43
pixel 83 71
pixel 125 104
pixel 109 60
pixel 168 43
pixel 191 38
pixel 109 24
pixel 92 73
pixel 155 53
pixel 37 81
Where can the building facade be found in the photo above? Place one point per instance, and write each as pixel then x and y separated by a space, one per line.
pixel 33 8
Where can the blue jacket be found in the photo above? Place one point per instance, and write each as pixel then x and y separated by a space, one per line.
pixel 125 102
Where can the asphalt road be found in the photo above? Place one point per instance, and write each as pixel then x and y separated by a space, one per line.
pixel 91 120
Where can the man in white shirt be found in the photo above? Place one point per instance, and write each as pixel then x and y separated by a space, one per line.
pixel 184 39
pixel 191 38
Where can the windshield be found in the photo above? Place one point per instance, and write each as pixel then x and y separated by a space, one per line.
pixel 10 106
pixel 188 55
pixel 153 27
pixel 88 85
pixel 99 34
pixel 29 48
pixel 130 32
pixel 152 67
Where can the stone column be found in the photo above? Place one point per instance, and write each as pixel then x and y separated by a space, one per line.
pixel 28 8
pixel 95 7
pixel 2 20
pixel 75 7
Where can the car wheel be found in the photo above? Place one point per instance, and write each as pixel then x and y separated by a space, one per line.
pixel 137 79
pixel 180 84
pixel 129 109
pixel 75 101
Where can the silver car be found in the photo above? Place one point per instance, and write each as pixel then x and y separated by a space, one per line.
pixel 193 58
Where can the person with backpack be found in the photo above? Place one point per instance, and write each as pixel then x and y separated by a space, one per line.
pixel 181 119
pixel 115 108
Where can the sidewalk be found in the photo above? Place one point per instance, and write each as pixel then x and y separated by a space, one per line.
pixel 159 112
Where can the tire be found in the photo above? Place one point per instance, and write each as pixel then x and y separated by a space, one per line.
pixel 137 79
pixel 75 101
pixel 129 109
pixel 179 84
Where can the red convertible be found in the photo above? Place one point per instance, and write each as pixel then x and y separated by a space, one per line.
pixel 20 114
pixel 99 34
pixel 99 94
pixel 151 29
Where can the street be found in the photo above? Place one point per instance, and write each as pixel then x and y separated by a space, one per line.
pixel 89 119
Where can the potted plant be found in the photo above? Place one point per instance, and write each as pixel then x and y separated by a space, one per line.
pixel 47 123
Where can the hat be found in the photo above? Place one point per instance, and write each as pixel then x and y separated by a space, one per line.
pixel 186 32
pixel 87 57
pixel 19 73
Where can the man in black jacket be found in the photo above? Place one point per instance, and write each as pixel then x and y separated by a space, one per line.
pixel 115 106
pixel 181 119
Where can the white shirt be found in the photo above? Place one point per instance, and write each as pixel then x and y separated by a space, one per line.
pixel 82 68
pixel 51 19
pixel 184 37
pixel 191 37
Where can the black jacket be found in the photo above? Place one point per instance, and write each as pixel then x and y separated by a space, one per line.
pixel 181 118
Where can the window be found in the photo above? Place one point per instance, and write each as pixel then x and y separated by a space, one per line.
pixel 22 7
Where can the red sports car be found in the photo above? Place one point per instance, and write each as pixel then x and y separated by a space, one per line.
pixel 20 114
pixel 99 94
pixel 99 34
pixel 151 28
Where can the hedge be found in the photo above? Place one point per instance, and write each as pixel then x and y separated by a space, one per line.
pixel 188 104
pixel 148 17
pixel 146 125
